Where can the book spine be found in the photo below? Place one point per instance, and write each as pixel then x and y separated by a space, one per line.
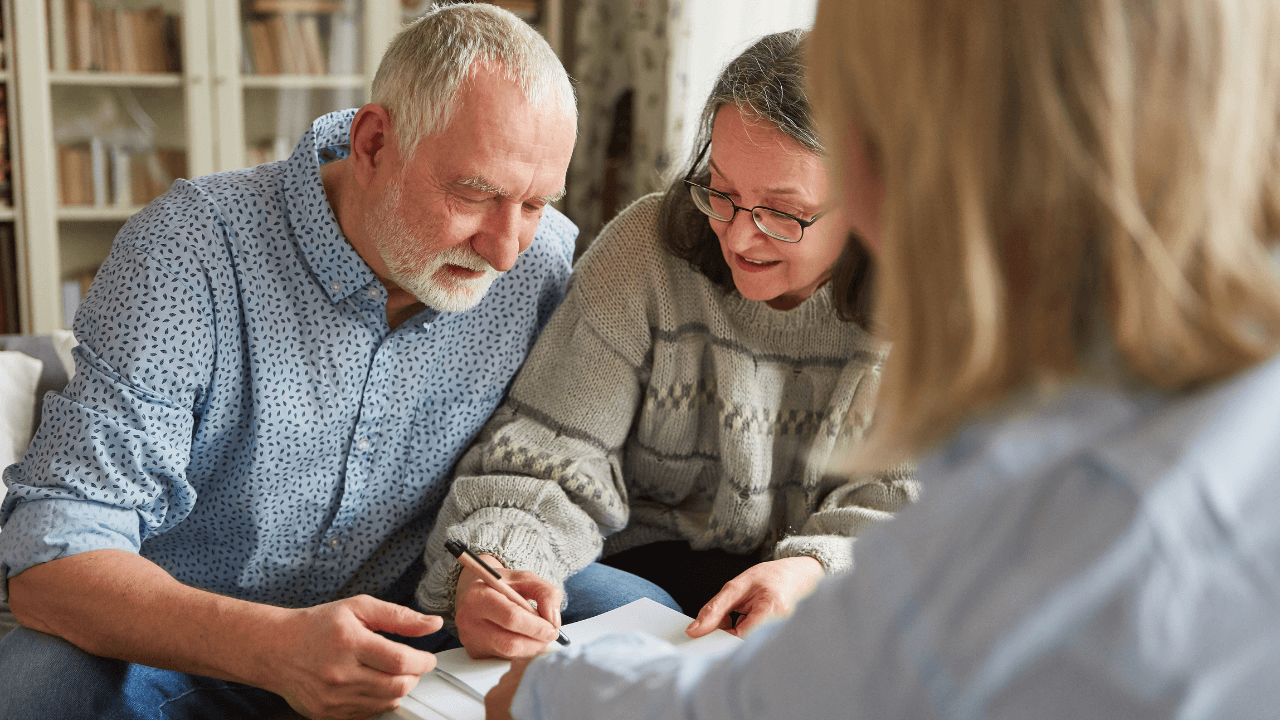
pixel 291 58
pixel 173 43
pixel 110 38
pixel 128 46
pixel 98 169
pixel 97 56
pixel 153 21
pixel 248 65
pixel 81 39
pixel 58 39
pixel 120 187
pixel 9 322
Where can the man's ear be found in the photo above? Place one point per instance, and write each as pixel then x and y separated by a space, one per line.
pixel 372 143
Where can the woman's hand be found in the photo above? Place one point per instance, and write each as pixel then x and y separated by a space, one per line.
pixel 497 704
pixel 762 591
pixel 490 625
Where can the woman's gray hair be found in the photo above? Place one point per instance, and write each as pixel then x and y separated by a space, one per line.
pixel 427 63
pixel 767 80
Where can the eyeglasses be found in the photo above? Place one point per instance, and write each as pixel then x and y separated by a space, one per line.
pixel 718 206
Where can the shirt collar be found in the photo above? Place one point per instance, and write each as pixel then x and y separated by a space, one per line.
pixel 335 264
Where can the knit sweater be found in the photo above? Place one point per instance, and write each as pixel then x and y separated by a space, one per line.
pixel 656 406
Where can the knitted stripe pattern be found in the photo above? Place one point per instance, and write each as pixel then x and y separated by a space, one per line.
pixel 655 406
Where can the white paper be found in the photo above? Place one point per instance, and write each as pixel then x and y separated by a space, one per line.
pixel 442 700
pixel 411 709
pixel 449 698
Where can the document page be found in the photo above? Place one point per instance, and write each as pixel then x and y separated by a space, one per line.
pixel 456 688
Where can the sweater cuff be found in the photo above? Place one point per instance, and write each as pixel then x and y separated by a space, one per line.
pixel 512 536
pixel 835 552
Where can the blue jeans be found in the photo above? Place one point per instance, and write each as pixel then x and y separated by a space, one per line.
pixel 43 676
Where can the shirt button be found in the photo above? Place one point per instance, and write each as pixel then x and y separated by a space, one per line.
pixel 335 287
pixel 373 293
pixel 363 444
pixel 335 542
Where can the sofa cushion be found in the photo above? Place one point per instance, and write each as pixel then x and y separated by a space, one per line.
pixel 19 377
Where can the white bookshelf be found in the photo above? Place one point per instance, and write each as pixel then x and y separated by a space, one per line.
pixel 200 110
pixel 214 110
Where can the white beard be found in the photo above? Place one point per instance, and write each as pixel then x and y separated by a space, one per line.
pixel 422 272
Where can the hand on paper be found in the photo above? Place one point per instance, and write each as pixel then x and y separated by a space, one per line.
pixel 337 666
pixel 497 704
pixel 762 591
pixel 490 625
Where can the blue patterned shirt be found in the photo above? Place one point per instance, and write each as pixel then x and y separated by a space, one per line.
pixel 241 412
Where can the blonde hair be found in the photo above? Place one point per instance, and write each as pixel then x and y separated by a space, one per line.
pixel 1059 176
pixel 427 63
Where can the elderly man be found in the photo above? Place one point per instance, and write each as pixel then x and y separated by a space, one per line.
pixel 225 509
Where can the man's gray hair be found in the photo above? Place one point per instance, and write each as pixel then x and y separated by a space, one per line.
pixel 428 62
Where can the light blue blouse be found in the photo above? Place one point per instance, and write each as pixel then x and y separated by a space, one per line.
pixel 1106 554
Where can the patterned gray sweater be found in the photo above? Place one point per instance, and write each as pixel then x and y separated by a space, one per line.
pixel 655 406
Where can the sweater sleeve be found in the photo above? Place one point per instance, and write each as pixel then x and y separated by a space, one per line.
pixel 857 502
pixel 841 505
pixel 542 485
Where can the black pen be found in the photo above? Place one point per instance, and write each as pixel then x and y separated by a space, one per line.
pixel 492 578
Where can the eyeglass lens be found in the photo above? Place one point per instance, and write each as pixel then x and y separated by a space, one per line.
pixel 772 223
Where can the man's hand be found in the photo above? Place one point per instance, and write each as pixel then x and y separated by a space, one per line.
pixel 497 704
pixel 327 661
pixel 338 667
pixel 491 625
pixel 762 591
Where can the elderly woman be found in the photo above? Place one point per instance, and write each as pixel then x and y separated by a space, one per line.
pixel 1072 204
pixel 679 410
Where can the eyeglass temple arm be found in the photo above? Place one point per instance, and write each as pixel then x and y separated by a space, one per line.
pixel 692 168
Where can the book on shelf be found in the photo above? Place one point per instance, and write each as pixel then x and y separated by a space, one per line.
pixel 293 59
pixel 286 43
pixel 59 51
pixel 86 37
pixel 527 10
pixel 108 36
pixel 6 166
pixel 152 173
pixel 9 315
pixel 299 6
pixel 94 174
pixel 75 177
pixel 263 152
pixel 309 37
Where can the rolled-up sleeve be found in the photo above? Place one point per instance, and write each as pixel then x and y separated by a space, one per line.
pixel 106 468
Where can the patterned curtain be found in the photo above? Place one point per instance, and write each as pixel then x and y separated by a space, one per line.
pixel 629 64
